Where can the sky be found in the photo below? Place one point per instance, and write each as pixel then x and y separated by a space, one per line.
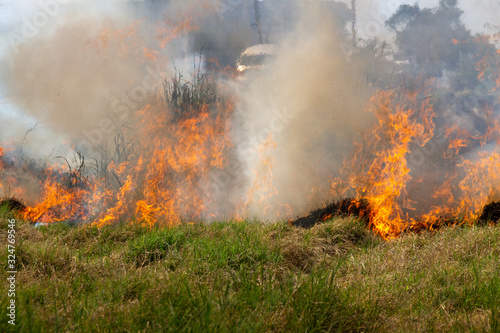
pixel 371 13
pixel 477 12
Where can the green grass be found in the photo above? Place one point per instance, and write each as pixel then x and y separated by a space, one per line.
pixel 248 276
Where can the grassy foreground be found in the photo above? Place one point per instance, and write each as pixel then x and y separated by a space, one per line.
pixel 252 277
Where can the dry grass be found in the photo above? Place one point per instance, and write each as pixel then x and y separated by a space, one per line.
pixel 241 276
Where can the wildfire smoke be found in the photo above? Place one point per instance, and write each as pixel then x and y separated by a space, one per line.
pixel 158 143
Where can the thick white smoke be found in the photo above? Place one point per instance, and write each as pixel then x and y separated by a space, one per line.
pixel 309 102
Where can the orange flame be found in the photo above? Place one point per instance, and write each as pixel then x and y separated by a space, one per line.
pixel 262 188
pixel 167 180
pixel 379 168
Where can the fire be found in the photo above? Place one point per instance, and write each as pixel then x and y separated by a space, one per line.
pixel 181 140
pixel 326 217
pixel 56 206
pixel 174 28
pixel 487 66
pixel 166 181
pixel 457 144
pixel 379 169
pixel 480 184
pixel 124 39
pixel 59 203
pixel 166 175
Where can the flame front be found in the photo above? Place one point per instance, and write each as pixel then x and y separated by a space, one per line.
pixel 379 171
pixel 182 140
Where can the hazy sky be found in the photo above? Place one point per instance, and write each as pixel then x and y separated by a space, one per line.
pixel 477 12
pixel 371 15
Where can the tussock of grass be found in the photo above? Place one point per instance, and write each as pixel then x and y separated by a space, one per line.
pixel 242 276
pixel 155 245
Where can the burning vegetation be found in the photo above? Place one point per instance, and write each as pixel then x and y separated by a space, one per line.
pixel 415 142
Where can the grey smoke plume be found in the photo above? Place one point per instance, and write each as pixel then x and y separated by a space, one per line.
pixel 310 101
pixel 66 77
pixel 90 66
pixel 85 74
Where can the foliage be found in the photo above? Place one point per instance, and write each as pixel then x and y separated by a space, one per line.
pixel 428 36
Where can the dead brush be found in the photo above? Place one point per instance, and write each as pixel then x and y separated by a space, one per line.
pixel 306 248
pixel 75 177
pixel 188 98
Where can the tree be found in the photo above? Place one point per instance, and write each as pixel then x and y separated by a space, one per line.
pixel 258 17
pixel 354 20
pixel 430 36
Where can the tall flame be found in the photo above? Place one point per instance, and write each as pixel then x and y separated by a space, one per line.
pixel 379 170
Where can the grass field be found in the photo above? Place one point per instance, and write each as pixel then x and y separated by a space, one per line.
pixel 250 276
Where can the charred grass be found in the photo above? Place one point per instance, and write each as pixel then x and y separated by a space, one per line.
pixel 250 276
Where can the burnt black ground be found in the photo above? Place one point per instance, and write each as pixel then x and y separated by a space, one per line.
pixel 344 207
pixel 12 204
pixel 491 213
pixel 360 208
